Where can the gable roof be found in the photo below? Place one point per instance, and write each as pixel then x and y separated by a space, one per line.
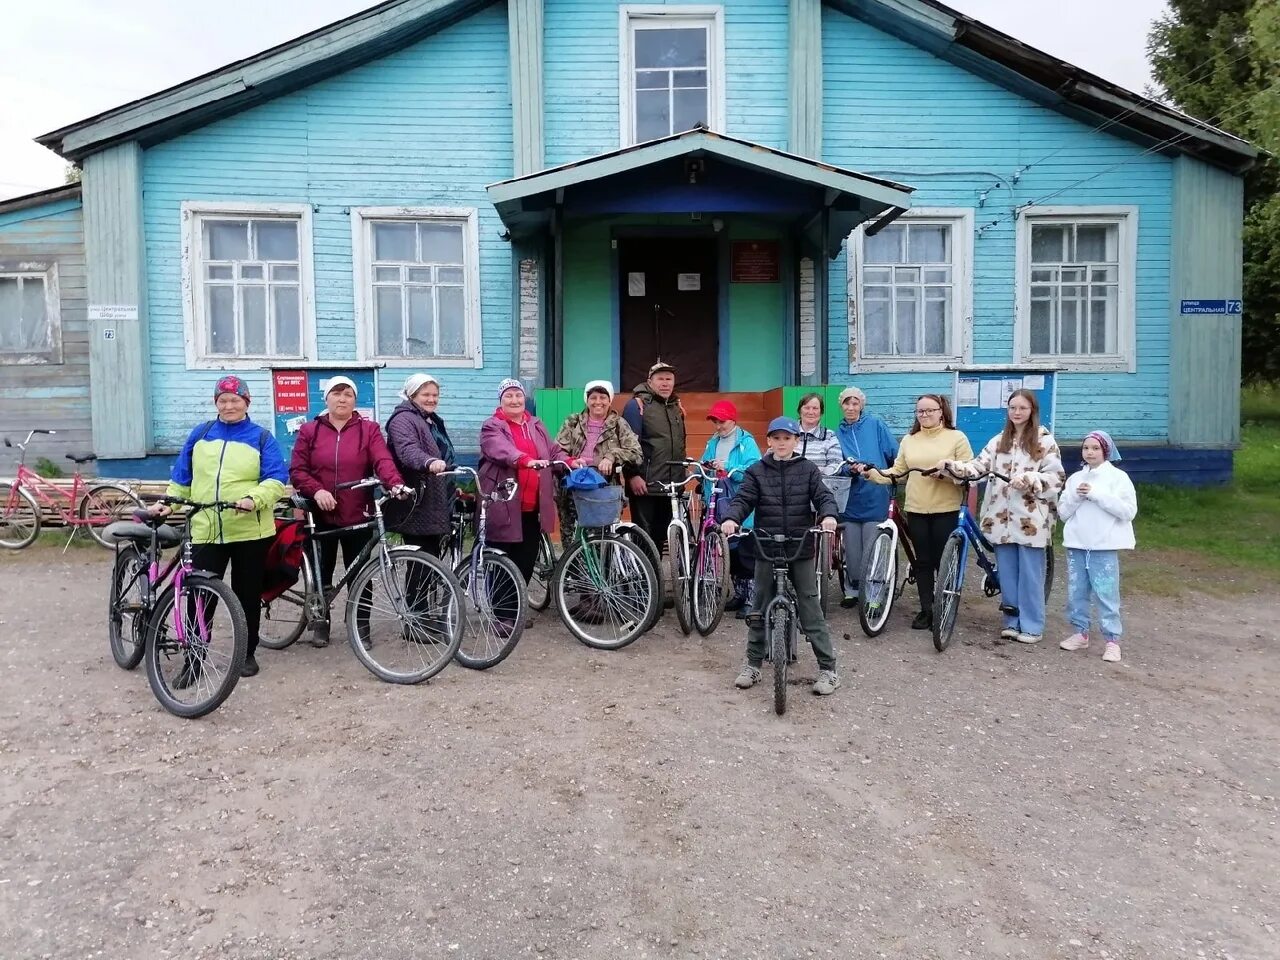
pixel 395 24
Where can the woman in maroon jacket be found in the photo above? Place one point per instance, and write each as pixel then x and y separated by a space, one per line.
pixel 338 447
pixel 515 443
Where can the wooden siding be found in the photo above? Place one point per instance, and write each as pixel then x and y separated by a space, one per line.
pixel 581 75
pixel 1204 365
pixel 44 395
pixel 525 39
pixel 429 125
pixel 806 78
pixel 893 109
pixel 117 277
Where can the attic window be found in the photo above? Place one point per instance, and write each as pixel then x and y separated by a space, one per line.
pixel 671 71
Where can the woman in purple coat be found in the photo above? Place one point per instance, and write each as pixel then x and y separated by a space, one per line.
pixel 421 448
pixel 514 443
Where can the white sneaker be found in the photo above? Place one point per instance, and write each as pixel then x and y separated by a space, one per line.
pixel 1009 633
pixel 1077 641
pixel 827 683
pixel 1028 638
pixel 1112 653
pixel 749 676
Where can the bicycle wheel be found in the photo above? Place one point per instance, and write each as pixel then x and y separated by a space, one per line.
pixel 780 626
pixel 946 592
pixel 879 585
pixel 494 605
pixel 640 539
pixel 104 504
pixel 822 559
pixel 1049 565
pixel 196 645
pixel 126 619
pixel 405 624
pixel 605 591
pixel 711 585
pixel 19 517
pixel 284 619
pixel 544 567
pixel 681 582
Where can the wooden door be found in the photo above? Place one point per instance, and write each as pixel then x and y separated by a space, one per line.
pixel 670 309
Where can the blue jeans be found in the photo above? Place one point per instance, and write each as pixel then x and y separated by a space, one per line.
pixel 1022 585
pixel 1095 572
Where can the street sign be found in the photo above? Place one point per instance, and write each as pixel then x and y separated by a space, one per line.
pixel 1223 307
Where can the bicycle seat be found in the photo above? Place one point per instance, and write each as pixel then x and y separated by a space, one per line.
pixel 136 532
pixel 82 457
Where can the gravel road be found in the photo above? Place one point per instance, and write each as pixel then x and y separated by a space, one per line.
pixel 994 801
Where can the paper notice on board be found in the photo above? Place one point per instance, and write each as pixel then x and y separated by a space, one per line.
pixel 1033 381
pixel 967 392
pixel 635 284
pixel 1007 386
pixel 989 395
pixel 688 281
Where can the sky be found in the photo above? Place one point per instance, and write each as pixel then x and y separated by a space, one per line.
pixel 64 60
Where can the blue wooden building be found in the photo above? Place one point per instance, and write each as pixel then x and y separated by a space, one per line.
pixel 773 194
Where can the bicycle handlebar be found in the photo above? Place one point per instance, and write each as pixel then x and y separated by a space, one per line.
pixel 895 477
pixel 23 445
pixel 504 491
pixel 197 506
pixel 771 546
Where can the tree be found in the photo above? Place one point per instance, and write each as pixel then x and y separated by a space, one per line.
pixel 1220 60
pixel 72 174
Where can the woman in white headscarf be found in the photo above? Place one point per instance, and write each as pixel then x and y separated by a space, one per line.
pixel 421 448
pixel 596 437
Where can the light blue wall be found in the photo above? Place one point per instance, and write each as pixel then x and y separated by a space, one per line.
pixel 427 126
pixel 891 106
pixel 581 75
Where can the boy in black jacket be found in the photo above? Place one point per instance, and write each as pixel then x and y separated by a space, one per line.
pixel 783 489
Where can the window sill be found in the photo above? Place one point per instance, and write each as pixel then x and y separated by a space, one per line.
pixel 405 363
pixel 905 365
pixel 246 363
pixel 1069 364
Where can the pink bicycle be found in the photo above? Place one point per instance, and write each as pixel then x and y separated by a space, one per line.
pixel 24 499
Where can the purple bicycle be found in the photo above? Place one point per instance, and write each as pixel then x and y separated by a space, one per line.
pixel 186 622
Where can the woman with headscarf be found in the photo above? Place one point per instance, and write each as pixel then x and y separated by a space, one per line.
pixel 515 444
pixel 421 448
pixel 596 437
pixel 864 437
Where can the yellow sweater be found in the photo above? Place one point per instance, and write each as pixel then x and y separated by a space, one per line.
pixel 923 450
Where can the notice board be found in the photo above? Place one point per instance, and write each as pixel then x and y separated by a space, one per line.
pixel 298 396
pixel 755 261
pixel 981 396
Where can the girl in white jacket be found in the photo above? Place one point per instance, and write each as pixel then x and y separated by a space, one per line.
pixel 1098 505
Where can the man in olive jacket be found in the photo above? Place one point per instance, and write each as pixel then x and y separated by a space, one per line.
pixel 655 414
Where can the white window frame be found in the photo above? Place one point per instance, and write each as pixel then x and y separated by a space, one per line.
pixel 46 270
pixel 705 15
pixel 960 219
pixel 194 212
pixel 1126 219
pixel 362 256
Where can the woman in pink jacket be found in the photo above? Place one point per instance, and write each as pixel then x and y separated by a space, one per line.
pixel 337 447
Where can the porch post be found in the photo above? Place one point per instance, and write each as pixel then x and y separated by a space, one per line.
pixel 806 78
pixel 553 347
pixel 524 24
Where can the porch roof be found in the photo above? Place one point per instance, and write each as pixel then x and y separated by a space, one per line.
pixel 734 177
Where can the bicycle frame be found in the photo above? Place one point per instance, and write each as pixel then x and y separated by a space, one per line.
pixel 49 495
pixel 973 538
pixel 481 522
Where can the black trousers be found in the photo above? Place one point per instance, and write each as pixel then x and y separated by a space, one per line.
pixel 929 532
pixel 432 543
pixel 652 514
pixel 525 553
pixel 351 543
pixel 248 560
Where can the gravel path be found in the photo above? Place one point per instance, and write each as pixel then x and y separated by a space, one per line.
pixel 993 801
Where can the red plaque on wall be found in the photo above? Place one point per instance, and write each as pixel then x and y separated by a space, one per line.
pixel 756 261
pixel 290 387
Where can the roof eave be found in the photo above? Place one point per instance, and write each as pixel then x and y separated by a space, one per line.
pixel 41 197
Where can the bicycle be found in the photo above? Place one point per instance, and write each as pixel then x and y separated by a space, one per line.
pixel 173 626
pixel 678 549
pixel 710 558
pixel 830 562
pixel 23 500
pixel 955 558
pixel 781 615
pixel 494 594
pixel 414 594
pixel 891 552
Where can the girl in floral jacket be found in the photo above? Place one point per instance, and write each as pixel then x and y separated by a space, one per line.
pixel 1018 517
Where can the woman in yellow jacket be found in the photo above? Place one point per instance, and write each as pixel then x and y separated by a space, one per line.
pixel 933 504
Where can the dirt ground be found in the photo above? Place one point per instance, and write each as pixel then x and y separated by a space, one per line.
pixel 993 801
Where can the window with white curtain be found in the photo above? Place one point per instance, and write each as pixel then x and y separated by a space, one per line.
pixel 27 318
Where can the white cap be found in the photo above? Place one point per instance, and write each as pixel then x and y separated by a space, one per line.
pixel 604 385
pixel 415 383
pixel 340 382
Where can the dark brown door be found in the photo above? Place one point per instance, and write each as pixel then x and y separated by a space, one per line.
pixel 670 310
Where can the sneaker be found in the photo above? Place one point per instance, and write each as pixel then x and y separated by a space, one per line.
pixel 1009 633
pixel 250 668
pixel 1112 653
pixel 748 676
pixel 849 601
pixel 923 620
pixel 738 599
pixel 187 676
pixel 1028 638
pixel 1077 641
pixel 320 633
pixel 826 684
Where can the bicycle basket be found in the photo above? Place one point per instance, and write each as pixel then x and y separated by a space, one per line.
pixel 839 487
pixel 598 508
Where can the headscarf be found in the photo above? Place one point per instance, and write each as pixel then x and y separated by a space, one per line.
pixel 848 392
pixel 336 382
pixel 604 385
pixel 415 383
pixel 1108 445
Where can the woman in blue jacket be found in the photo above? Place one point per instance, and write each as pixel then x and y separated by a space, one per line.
pixel 732 448
pixel 864 437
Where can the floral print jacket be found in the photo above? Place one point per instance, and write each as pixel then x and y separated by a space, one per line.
pixel 1023 517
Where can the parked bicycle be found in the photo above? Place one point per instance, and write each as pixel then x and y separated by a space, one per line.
pixel 954 561
pixel 679 539
pixel 186 622
pixel 404 618
pixel 889 565
pixel 830 562
pixel 708 557
pixel 24 500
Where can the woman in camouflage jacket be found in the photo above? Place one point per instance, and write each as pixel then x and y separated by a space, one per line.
pixel 597 437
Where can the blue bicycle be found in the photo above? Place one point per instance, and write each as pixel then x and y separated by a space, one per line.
pixel 955 560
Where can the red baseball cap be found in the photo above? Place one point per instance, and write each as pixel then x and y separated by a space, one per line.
pixel 723 410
